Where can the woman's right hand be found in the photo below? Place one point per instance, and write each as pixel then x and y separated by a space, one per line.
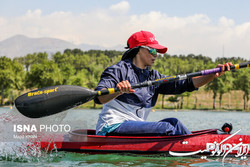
pixel 125 87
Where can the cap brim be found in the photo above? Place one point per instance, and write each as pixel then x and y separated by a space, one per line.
pixel 160 48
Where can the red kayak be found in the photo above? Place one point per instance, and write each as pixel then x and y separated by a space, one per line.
pixel 205 142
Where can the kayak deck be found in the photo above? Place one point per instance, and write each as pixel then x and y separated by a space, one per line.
pixel 199 142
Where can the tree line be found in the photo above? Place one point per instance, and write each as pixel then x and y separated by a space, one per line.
pixel 84 68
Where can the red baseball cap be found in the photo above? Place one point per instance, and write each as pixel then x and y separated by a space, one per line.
pixel 145 38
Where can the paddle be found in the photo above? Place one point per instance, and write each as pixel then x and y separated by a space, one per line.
pixel 54 99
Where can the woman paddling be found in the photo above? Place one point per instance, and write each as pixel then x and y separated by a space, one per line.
pixel 125 112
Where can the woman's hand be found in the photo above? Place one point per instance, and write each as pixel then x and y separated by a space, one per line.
pixel 222 66
pixel 125 87
pixel 202 80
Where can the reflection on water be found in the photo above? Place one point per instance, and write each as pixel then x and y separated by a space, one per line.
pixel 76 159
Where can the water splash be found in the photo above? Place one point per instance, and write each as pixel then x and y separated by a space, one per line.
pixel 24 149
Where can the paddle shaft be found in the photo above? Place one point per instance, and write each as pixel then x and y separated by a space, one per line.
pixel 175 78
pixel 54 99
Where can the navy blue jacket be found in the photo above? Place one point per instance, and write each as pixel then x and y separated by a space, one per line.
pixel 143 97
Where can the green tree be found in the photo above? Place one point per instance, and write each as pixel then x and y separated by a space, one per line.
pixel 80 79
pixel 27 60
pixel 220 85
pixel 44 74
pixel 174 99
pixel 67 71
pixel 242 82
pixel 82 62
pixel 11 76
pixel 19 77
pixel 30 59
pixel 226 84
pixel 187 94
pixel 214 86
pixel 103 60
pixel 6 76
pixel 62 59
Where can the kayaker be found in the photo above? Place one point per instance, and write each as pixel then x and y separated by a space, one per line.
pixel 125 112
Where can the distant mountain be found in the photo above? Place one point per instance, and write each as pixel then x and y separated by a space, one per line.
pixel 86 47
pixel 21 45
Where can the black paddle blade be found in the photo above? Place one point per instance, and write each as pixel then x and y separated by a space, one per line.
pixel 51 100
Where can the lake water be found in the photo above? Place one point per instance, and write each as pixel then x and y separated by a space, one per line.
pixel 13 152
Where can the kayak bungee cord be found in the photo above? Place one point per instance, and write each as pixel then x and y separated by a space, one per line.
pixel 54 99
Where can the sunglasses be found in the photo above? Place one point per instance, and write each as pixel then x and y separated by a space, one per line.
pixel 151 50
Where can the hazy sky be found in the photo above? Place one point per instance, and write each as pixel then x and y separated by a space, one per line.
pixel 184 26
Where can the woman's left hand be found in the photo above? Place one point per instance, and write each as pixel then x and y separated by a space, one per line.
pixel 222 66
